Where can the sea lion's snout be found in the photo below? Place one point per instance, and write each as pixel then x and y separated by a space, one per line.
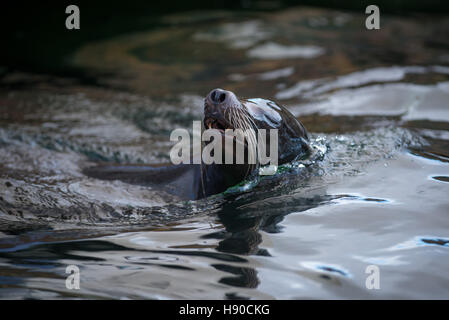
pixel 216 105
pixel 217 96
pixel 222 98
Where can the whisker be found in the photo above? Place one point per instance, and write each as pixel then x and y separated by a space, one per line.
pixel 239 118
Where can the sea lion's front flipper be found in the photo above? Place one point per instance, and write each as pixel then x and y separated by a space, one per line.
pixel 175 179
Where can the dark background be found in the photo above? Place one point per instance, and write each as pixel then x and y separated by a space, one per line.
pixel 35 38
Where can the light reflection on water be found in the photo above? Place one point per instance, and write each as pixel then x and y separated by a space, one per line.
pixel 378 196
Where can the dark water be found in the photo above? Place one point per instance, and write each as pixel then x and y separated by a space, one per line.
pixel 376 103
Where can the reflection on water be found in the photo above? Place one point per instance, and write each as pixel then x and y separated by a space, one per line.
pixel 376 193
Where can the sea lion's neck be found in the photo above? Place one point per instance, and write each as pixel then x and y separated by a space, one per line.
pixel 216 178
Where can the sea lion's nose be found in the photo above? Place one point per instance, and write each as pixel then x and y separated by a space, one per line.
pixel 218 96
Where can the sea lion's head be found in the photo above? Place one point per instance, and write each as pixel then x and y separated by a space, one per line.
pixel 224 110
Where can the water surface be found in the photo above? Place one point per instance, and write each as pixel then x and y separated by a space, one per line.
pixel 375 102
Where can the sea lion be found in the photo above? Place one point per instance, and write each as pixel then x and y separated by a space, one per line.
pixel 222 110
